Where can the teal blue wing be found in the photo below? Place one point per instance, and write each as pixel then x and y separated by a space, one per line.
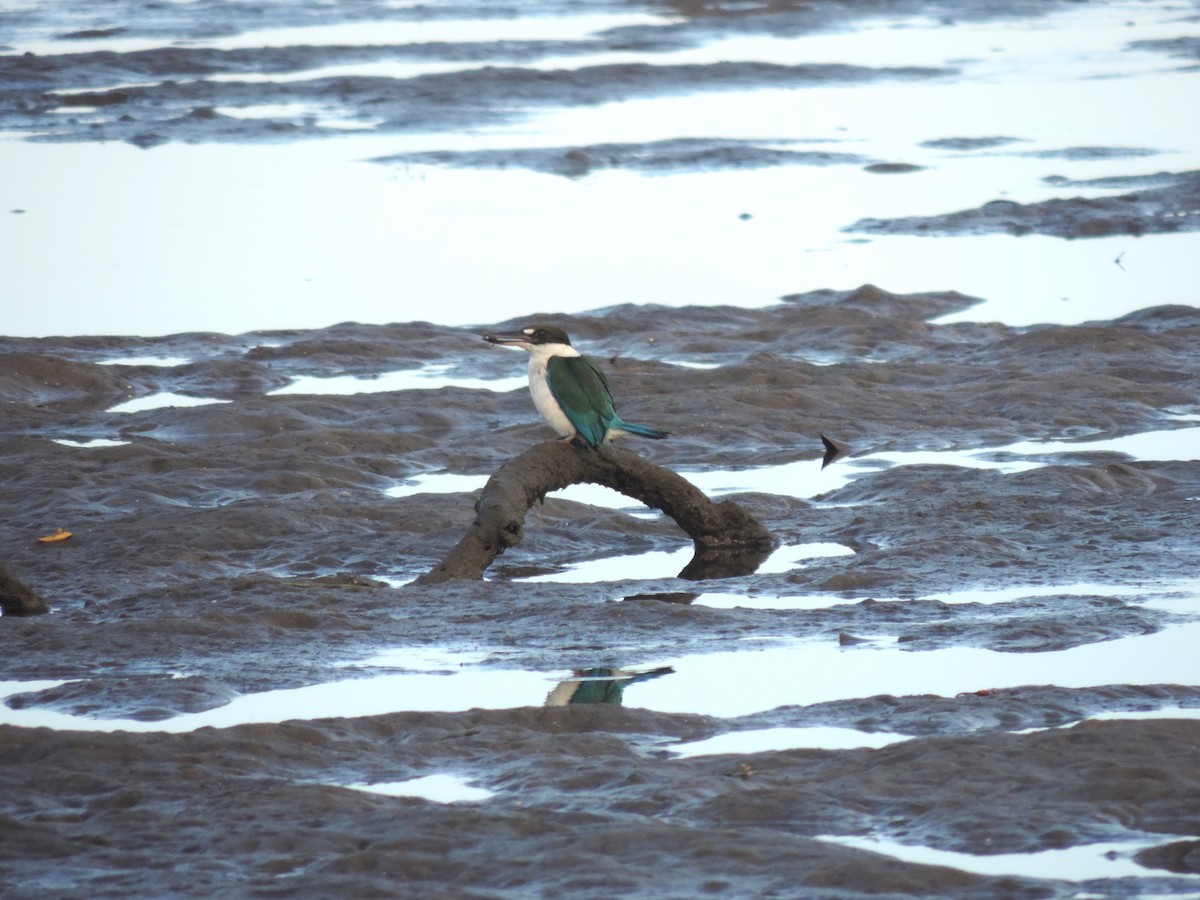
pixel 582 391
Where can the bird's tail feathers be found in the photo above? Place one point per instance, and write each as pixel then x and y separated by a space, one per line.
pixel 641 430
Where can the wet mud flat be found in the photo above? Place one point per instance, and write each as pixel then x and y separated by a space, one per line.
pixel 250 546
pixel 65 82
pixel 989 690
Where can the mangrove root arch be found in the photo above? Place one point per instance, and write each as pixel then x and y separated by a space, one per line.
pixel 729 541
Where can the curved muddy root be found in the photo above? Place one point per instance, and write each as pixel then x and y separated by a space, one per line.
pixel 728 539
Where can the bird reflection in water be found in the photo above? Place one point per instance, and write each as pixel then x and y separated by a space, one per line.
pixel 600 685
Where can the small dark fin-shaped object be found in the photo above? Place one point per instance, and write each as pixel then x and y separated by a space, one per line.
pixel 834 450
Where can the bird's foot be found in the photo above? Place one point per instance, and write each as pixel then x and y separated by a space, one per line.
pixel 576 441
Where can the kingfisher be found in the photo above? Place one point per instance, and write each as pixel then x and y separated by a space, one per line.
pixel 569 391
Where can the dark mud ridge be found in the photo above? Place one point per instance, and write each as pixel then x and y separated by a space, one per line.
pixel 172 93
pixel 188 111
pixel 252 811
pixel 181 91
pixel 241 547
pixel 1166 202
pixel 676 155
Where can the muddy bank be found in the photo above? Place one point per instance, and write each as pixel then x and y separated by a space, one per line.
pixel 1164 203
pixel 184 93
pixel 147 82
pixel 591 810
pixel 879 366
pixel 187 111
pixel 678 155
pixel 243 546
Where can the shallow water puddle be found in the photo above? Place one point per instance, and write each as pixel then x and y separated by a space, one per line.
pixel 828 737
pixel 439 788
pixel 448 482
pixel 351 698
pixel 90 444
pixel 397 69
pixel 720 600
pixel 1179 596
pixel 321 116
pixel 737 683
pixel 805 479
pixel 765 740
pixel 1160 445
pixel 1182 596
pixel 726 684
pixel 438 483
pixel 1081 863
pixel 1167 712
pixel 428 377
pixel 651 564
pixel 690 363
pixel 668 564
pixel 162 400
pixel 417 221
pixel 163 362
pixel 802 478
pixel 422 659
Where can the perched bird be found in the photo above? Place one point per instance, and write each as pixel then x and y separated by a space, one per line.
pixel 568 390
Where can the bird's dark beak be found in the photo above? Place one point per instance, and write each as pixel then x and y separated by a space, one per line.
pixel 511 337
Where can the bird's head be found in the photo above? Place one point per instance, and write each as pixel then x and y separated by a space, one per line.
pixel 531 336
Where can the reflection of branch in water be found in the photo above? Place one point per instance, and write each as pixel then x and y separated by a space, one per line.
pixel 600 685
pixel 552 465
pixel 724 562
